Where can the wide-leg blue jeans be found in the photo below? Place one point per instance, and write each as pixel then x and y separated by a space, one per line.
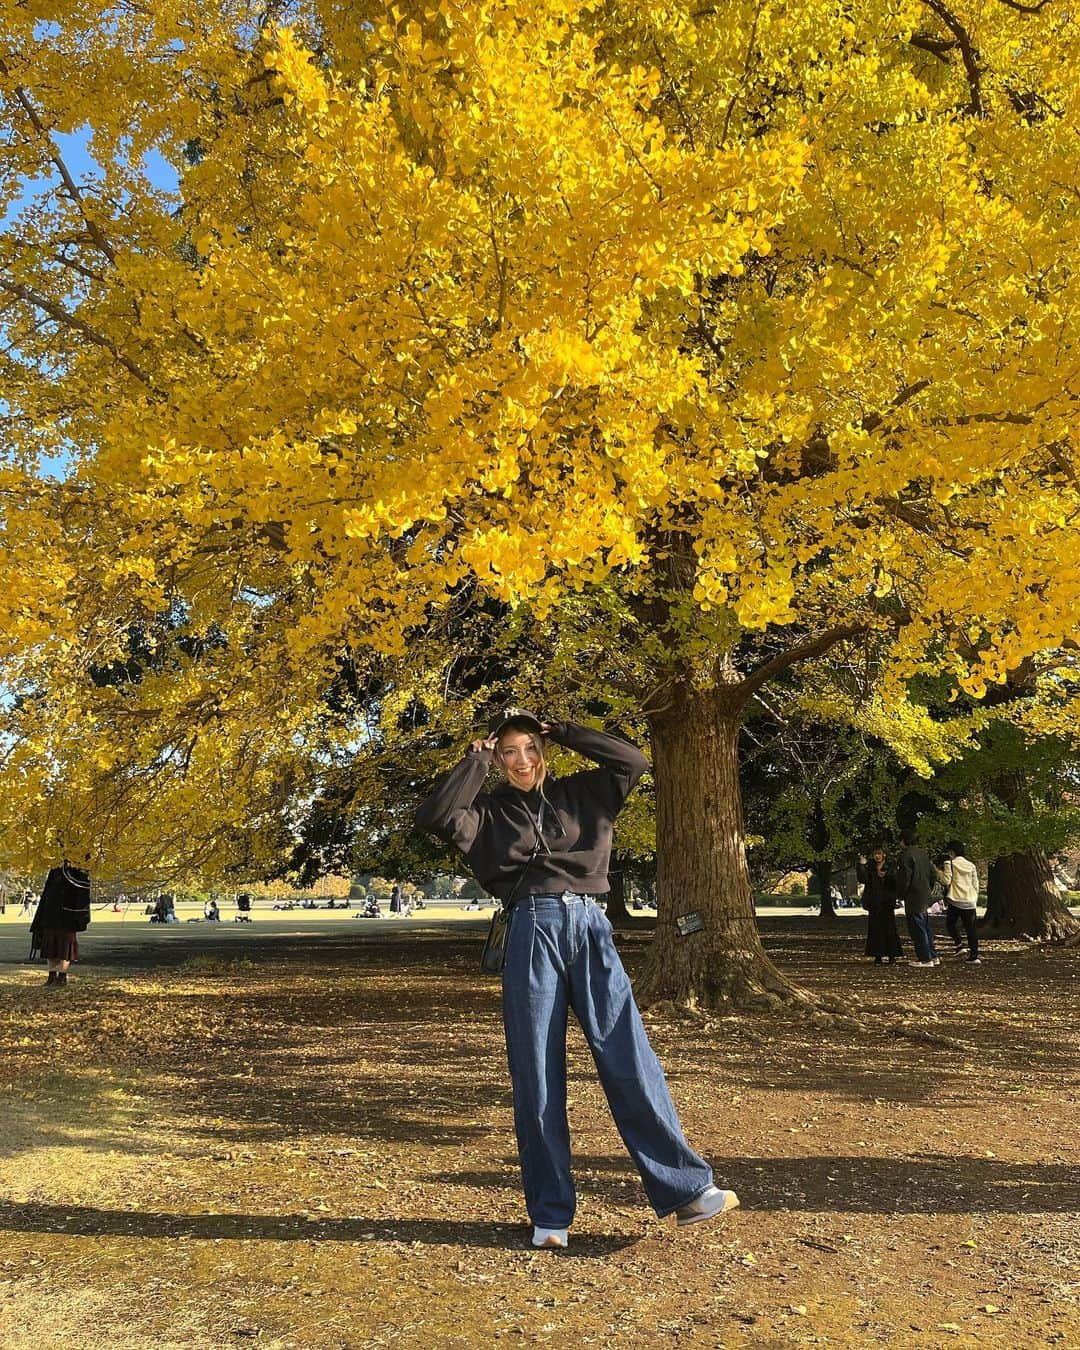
pixel 560 955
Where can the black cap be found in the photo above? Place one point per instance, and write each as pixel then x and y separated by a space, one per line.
pixel 517 717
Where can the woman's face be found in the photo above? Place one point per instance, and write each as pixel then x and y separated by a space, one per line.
pixel 878 856
pixel 521 758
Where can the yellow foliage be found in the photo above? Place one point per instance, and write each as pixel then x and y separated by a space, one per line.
pixel 758 317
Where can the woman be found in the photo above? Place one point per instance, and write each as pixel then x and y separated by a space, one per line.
pixel 879 901
pixel 961 880
pixel 63 911
pixel 542 846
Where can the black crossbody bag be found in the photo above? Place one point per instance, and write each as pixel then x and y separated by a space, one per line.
pixel 493 957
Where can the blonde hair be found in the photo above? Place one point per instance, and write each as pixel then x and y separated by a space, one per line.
pixel 538 746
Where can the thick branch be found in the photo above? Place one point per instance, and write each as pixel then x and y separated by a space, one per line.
pixel 935 46
pixel 803 651
pixel 967 51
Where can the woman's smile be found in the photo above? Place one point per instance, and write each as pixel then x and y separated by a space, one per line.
pixel 520 758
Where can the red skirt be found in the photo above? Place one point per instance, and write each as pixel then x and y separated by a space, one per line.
pixel 58 945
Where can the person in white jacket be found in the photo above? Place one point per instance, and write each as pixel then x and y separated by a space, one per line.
pixel 962 895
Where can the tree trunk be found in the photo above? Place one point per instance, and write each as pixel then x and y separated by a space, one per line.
pixel 617 910
pixel 616 896
pixel 701 867
pixel 1022 901
pixel 822 872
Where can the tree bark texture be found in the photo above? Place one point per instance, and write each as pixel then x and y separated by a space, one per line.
pixel 701 867
pixel 1022 901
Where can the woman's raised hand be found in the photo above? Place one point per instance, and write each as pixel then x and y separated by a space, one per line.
pixel 483 743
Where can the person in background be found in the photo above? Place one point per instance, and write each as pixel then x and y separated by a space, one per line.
pixel 63 911
pixel 914 884
pixel 961 880
pixel 879 900
pixel 210 911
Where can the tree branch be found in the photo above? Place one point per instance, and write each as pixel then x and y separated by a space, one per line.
pixel 71 187
pixel 967 50
pixel 935 46
pixel 744 76
pixel 803 651
pixel 72 321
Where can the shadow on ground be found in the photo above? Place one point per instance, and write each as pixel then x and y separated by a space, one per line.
pixel 928 1184
pixel 83 1221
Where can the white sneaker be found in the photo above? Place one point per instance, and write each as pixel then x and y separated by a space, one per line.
pixel 550 1237
pixel 923 965
pixel 707 1206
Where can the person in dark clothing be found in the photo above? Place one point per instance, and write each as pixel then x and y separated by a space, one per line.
pixel 879 900
pixel 62 912
pixel 914 883
pixel 542 845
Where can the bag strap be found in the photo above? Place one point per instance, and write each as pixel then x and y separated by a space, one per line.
pixel 511 899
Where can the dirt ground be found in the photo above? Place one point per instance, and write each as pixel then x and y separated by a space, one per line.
pixel 304 1138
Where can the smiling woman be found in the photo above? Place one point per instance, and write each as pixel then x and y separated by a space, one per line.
pixel 521 754
pixel 545 854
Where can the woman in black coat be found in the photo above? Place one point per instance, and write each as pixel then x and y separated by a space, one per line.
pixel 879 901
pixel 62 912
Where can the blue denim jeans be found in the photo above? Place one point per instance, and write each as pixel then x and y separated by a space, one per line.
pixel 922 935
pixel 560 955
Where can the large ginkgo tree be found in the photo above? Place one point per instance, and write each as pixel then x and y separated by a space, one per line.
pixel 731 336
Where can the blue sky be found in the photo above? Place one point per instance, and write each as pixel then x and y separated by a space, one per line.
pixel 74 148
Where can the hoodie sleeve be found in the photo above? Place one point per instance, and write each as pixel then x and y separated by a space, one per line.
pixel 622 763
pixel 450 811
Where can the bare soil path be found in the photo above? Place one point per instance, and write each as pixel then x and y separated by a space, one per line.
pixel 301 1137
